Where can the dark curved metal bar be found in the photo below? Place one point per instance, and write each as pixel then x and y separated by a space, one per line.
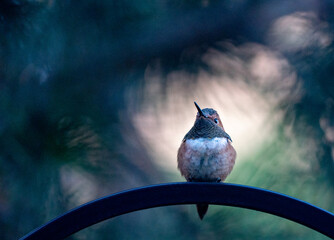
pixel 186 193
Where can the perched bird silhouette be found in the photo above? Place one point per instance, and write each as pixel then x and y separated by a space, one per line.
pixel 206 153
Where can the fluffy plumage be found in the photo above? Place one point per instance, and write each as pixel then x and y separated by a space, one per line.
pixel 206 153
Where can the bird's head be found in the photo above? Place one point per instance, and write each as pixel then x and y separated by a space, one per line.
pixel 209 114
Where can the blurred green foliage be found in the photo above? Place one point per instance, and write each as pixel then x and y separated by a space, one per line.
pixel 67 135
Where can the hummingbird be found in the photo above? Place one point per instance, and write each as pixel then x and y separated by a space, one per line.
pixel 206 153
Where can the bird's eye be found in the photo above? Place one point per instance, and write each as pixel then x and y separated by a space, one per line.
pixel 216 120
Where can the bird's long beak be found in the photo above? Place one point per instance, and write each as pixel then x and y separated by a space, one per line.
pixel 227 136
pixel 199 110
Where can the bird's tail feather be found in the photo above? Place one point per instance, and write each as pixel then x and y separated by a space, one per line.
pixel 202 208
